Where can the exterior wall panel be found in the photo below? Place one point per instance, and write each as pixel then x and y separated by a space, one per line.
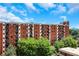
pixel 53 33
pixel 11 33
pixel 36 31
pixel 1 38
pixel 66 33
pixel 23 30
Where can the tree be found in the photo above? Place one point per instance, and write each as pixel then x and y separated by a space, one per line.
pixel 10 50
pixel 74 33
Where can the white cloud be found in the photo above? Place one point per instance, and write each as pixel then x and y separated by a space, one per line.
pixel 3 9
pixel 64 18
pixel 59 9
pixel 22 12
pixel 28 20
pixel 7 16
pixel 12 18
pixel 75 26
pixel 14 8
pixel 47 5
pixel 31 6
pixel 73 8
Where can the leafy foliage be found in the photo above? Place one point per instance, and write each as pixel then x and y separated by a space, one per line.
pixel 66 42
pixel 70 42
pixel 74 33
pixel 33 47
pixel 59 44
pixel 10 50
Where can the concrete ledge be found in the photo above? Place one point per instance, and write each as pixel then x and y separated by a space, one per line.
pixel 69 51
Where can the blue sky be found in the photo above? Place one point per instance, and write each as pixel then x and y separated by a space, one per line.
pixel 46 13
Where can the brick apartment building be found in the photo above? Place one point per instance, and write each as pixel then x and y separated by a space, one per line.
pixel 11 32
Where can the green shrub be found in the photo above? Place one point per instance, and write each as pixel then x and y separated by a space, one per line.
pixel 10 50
pixel 26 47
pixel 44 47
pixel 54 52
pixel 70 42
pixel 33 47
pixel 58 44
pixel 78 42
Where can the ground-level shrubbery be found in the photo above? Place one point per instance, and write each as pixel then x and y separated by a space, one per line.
pixel 10 50
pixel 70 42
pixel 59 44
pixel 34 47
pixel 66 42
pixel 39 47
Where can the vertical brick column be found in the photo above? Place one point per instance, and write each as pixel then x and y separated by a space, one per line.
pixel 23 30
pixel 36 31
pixel 53 33
pixel 1 38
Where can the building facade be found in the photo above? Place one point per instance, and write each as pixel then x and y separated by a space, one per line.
pixel 11 32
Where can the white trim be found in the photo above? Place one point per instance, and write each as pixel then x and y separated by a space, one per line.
pixel 3 26
pixel 57 32
pixel 3 49
pixel 4 31
pixel 19 31
pixel 33 30
pixel 4 40
pixel 3 23
pixel 19 34
pixel 19 27
pixel 40 30
pixel 3 44
pixel 3 36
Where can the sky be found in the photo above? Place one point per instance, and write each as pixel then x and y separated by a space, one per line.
pixel 44 13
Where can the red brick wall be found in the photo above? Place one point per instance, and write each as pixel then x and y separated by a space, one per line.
pixel 66 28
pixel 53 33
pixel 24 30
pixel 12 33
pixel 0 38
pixel 36 31
pixel 66 31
